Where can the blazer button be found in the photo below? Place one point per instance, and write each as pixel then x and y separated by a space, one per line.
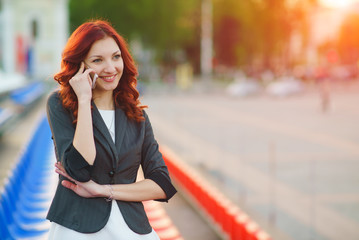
pixel 112 173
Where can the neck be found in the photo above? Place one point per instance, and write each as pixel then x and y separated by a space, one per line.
pixel 104 100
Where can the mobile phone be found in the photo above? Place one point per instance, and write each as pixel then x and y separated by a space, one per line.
pixel 93 77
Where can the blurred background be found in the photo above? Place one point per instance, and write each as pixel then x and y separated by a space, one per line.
pixel 260 96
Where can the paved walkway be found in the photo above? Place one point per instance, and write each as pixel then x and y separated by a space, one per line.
pixel 288 164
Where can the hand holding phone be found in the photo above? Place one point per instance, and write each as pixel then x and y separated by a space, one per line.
pixel 93 77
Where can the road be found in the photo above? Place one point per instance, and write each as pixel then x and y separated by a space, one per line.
pixel 291 166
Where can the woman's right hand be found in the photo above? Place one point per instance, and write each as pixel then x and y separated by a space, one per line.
pixel 81 83
pixel 88 189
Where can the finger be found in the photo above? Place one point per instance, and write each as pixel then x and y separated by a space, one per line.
pixel 88 72
pixel 59 166
pixel 63 172
pixel 81 69
pixel 60 172
pixel 65 175
pixel 69 185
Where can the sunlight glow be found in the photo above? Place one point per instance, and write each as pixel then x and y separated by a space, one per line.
pixel 338 3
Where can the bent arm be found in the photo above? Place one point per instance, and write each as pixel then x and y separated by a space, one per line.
pixel 84 140
pixel 139 191
pixel 63 132
pixel 135 192
pixel 153 165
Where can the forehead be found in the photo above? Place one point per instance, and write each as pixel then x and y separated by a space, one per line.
pixel 103 46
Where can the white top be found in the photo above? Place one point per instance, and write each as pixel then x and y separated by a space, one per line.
pixel 116 227
pixel 108 117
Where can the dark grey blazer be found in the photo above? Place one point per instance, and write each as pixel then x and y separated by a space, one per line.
pixel 117 162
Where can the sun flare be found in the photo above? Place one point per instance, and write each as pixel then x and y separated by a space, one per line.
pixel 338 3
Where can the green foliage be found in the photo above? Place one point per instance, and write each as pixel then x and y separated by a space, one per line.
pixel 163 25
pixel 261 28
pixel 245 31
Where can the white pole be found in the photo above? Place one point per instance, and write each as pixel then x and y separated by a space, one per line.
pixel 62 31
pixel 8 46
pixel 312 183
pixel 206 40
pixel 272 216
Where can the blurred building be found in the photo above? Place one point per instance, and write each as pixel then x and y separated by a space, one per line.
pixel 32 36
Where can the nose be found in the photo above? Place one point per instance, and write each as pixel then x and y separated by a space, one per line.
pixel 109 67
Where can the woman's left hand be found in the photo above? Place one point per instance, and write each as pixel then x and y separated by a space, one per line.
pixel 84 189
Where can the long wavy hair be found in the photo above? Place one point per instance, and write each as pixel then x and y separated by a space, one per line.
pixel 77 47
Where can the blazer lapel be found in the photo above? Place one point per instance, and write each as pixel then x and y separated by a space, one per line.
pixel 120 127
pixel 102 130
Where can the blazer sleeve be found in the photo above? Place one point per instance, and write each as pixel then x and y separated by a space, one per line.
pixel 63 131
pixel 153 165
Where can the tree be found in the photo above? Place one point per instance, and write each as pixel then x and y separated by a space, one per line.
pixel 258 31
pixel 348 39
pixel 236 32
pixel 165 26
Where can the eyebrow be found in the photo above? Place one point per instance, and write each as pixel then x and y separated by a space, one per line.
pixel 96 56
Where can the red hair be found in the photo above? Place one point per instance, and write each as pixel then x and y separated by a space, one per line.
pixel 76 50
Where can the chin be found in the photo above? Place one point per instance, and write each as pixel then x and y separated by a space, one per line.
pixel 109 87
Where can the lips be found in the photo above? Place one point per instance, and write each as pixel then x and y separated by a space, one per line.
pixel 109 78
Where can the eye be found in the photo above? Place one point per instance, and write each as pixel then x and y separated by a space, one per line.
pixel 97 60
pixel 117 56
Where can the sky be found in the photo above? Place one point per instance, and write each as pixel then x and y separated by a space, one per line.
pixel 338 3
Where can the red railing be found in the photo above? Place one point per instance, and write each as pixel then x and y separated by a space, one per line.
pixel 227 217
pixel 160 221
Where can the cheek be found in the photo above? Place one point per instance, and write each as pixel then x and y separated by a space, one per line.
pixel 97 69
pixel 120 66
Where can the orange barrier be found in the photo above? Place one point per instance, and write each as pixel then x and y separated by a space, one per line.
pixel 160 222
pixel 226 215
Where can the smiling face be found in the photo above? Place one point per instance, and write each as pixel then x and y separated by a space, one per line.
pixel 105 59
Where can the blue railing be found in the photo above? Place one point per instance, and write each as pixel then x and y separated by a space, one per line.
pixel 19 102
pixel 28 190
pixel 28 94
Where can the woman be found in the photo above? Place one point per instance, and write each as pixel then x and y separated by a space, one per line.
pixel 102 136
